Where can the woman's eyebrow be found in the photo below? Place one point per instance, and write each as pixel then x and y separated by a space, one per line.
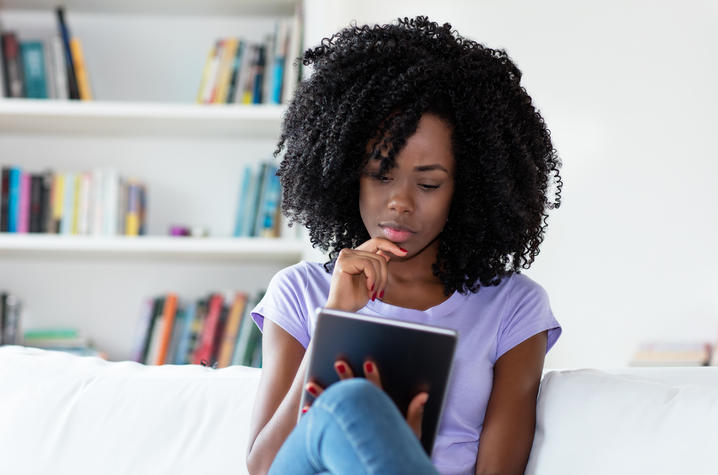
pixel 426 168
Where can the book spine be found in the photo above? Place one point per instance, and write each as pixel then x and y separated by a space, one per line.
pixel 3 300
pixel 83 218
pixel 5 200
pixel 68 204
pixel 259 75
pixel 225 70
pixel 168 320
pixel 110 202
pixel 211 326
pixel 229 339
pixel 59 67
pixel 75 226
pixel 263 183
pixel 142 331
pixel 33 61
pixel 23 217
pixel 78 60
pixel 234 79
pixel 271 204
pixel 69 63
pixel 132 216
pixel 36 195
pixel 14 200
pixel 293 63
pixel 242 208
pixel 12 67
pixel 204 81
pixel 183 342
pixel 211 86
pixel 96 202
pixel 58 202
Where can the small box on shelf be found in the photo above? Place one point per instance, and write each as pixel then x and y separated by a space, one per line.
pixel 672 353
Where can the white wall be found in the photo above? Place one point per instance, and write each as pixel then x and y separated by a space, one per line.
pixel 628 89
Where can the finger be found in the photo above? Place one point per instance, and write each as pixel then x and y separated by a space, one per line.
pixel 305 409
pixel 371 372
pixel 376 282
pixel 415 413
pixel 314 389
pixel 384 274
pixel 375 244
pixel 343 369
pixel 363 263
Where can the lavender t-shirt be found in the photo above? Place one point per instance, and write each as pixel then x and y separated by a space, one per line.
pixel 489 322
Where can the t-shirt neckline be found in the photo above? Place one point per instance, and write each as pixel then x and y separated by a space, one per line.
pixel 444 308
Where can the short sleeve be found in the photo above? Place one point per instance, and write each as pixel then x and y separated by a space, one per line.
pixel 284 303
pixel 527 313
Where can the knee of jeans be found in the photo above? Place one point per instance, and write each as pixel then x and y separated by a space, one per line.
pixel 354 388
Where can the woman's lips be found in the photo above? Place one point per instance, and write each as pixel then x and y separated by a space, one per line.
pixel 396 235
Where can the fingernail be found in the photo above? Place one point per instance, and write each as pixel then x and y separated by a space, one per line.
pixel 312 390
pixel 373 297
pixel 341 368
pixel 403 250
pixel 305 410
pixel 381 295
pixel 369 367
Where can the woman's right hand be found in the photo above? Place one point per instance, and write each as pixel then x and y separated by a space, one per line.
pixel 361 274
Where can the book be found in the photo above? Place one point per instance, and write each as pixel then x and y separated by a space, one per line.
pixel 280 56
pixel 23 216
pixel 211 84
pixel 36 198
pixel 14 199
pixel 267 218
pixel 244 203
pixel 34 75
pixel 58 202
pixel 206 72
pixel 205 345
pixel 155 335
pixel 196 328
pixel 672 353
pixel 78 61
pixel 245 333
pixel 293 62
pixel 248 86
pixel 4 198
pixel 265 176
pixel 258 71
pixel 12 66
pixel 182 350
pixel 236 63
pixel 132 211
pixel 169 311
pixel 58 68
pixel 243 75
pixel 11 329
pixel 229 339
pixel 224 74
pixel 83 204
pixel 73 90
pixel 142 331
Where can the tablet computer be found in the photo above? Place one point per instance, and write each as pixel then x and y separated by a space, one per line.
pixel 411 358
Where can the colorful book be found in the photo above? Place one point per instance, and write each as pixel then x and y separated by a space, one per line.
pixel 236 63
pixel 12 66
pixel 14 199
pixel 155 336
pixel 23 223
pixel 229 339
pixel 34 75
pixel 281 44
pixel 185 331
pixel 168 318
pixel 205 347
pixel 259 66
pixel 196 329
pixel 224 75
pixel 73 89
pixel 243 203
pixel 78 61
pixel 270 202
pixel 211 85
pixel 132 212
pixel 245 333
pixel 206 73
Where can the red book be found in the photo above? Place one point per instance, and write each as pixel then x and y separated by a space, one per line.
pixel 205 348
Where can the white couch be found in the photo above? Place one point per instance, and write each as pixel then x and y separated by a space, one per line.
pixel 63 414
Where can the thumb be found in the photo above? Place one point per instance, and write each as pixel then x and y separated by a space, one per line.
pixel 415 413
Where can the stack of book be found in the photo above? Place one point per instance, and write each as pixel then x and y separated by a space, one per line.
pixel 258 207
pixel 67 340
pixel 241 72
pixel 44 68
pixel 673 353
pixel 10 319
pixel 98 203
pixel 214 331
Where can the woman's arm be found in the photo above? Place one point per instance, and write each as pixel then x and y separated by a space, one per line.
pixel 510 420
pixel 276 404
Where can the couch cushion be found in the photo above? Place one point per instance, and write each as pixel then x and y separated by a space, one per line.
pixel 64 414
pixel 593 422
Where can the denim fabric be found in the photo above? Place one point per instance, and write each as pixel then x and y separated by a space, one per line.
pixel 352 428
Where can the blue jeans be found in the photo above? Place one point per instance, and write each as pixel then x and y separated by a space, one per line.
pixel 352 428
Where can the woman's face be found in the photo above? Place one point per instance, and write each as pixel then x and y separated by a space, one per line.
pixel 410 203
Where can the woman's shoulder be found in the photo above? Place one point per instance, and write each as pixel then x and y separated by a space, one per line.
pixel 302 274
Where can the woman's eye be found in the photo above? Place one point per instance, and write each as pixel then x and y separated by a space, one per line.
pixel 381 178
pixel 429 187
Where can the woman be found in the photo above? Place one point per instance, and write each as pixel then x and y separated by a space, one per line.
pixel 415 157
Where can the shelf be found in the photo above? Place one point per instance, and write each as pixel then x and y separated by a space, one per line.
pixel 30 245
pixel 164 7
pixel 43 116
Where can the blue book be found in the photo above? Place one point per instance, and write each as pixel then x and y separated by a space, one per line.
pixel 182 350
pixel 263 183
pixel 259 75
pixel 13 215
pixel 33 64
pixel 245 193
pixel 277 78
pixel 272 195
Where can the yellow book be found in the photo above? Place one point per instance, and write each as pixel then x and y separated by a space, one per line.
pixel 58 197
pixel 78 61
pixel 76 204
pixel 231 330
pixel 132 216
pixel 225 70
pixel 206 74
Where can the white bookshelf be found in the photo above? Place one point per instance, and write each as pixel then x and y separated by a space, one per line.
pixel 40 116
pixel 178 248
pixel 144 61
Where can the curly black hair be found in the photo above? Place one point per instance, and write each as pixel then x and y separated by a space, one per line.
pixel 377 81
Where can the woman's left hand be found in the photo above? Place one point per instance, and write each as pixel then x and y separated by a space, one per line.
pixel 415 413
